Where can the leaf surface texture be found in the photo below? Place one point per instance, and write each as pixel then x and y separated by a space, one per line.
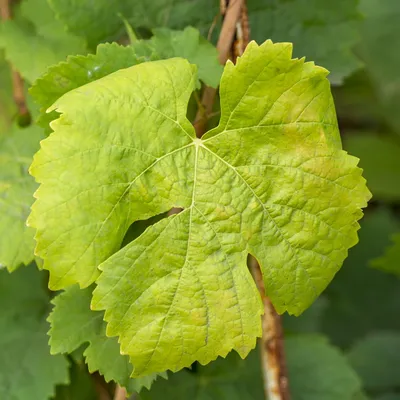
pixel 270 180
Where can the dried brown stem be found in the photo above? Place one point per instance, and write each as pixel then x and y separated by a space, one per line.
pixel 276 384
pixel 17 81
pixel 100 387
pixel 120 393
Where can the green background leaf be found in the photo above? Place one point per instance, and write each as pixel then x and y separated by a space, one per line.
pixel 16 196
pixel 322 30
pixel 380 34
pixel 317 370
pixel 363 299
pixel 379 158
pixel 34 39
pixel 27 370
pixel 376 359
pixel 389 262
pixel 74 324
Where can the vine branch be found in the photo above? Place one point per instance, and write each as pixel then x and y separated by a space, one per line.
pixel 276 384
pixel 17 81
pixel 231 13
pixel 120 393
pixel 233 39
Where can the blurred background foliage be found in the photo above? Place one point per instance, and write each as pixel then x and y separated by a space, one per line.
pixel 347 345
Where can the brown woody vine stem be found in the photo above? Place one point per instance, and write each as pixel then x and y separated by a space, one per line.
pixel 276 384
pixel 120 393
pixel 233 39
pixel 231 14
pixel 17 81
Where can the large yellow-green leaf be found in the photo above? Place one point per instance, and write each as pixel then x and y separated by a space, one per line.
pixel 270 180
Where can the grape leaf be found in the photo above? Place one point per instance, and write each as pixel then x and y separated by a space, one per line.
pixel 317 370
pixel 78 71
pixel 27 370
pixel 16 196
pixel 360 396
pixel 224 379
pixel 80 387
pixel 380 34
pixel 73 324
pixel 356 103
pixel 7 105
pixel 34 39
pixel 324 31
pixel 380 161
pixel 188 44
pixel 388 396
pixel 102 20
pixel 389 262
pixel 353 305
pixel 270 180
pixel 309 321
pixel 376 359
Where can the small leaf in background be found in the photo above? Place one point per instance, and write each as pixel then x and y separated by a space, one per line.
pixel 388 396
pixel 380 34
pixel 322 30
pixel 376 359
pixel 317 370
pixel 356 103
pixel 380 159
pixel 16 195
pixel 74 324
pixel 80 387
pixel 78 71
pixel 188 44
pixel 224 379
pixel 102 20
pixel 8 110
pixel 390 261
pixel 362 299
pixel 27 370
pixel 34 39
pixel 309 321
